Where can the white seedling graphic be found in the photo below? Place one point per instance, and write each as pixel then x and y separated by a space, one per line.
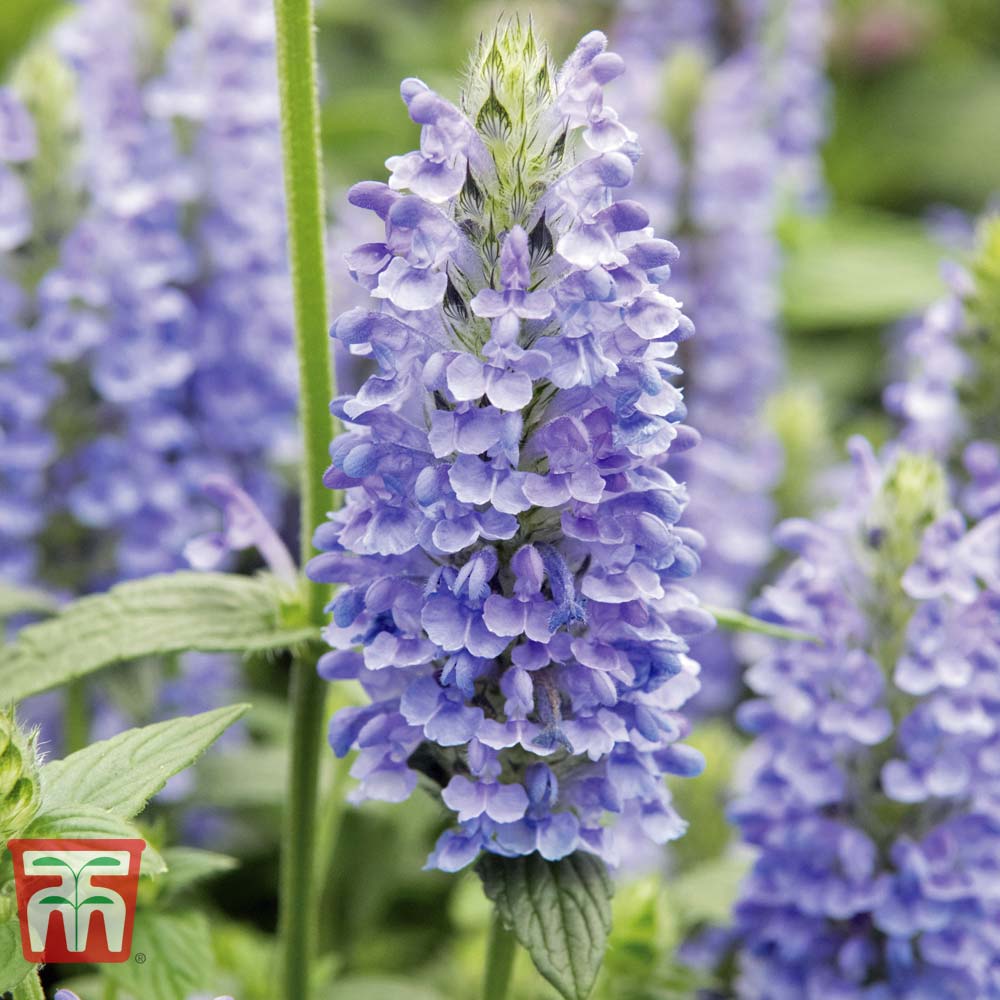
pixel 76 899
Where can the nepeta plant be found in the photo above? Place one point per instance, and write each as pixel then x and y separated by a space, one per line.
pixel 169 301
pixel 872 789
pixel 508 547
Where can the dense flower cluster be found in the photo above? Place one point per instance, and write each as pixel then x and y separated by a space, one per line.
pixel 508 551
pixel 873 780
pixel 156 353
pixel 731 104
pixel 168 309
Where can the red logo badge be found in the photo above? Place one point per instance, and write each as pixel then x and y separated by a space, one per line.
pixel 76 898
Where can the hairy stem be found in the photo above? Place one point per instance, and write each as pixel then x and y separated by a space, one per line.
pixel 500 952
pixel 296 51
pixel 304 197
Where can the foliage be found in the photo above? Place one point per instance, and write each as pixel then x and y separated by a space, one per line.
pixel 915 88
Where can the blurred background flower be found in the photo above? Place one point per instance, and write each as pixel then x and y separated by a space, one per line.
pixel 815 161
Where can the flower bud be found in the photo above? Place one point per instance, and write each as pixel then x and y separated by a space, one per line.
pixel 913 495
pixel 20 795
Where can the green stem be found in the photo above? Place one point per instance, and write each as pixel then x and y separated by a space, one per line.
pixel 304 197
pixel 731 620
pixel 30 988
pixel 296 51
pixel 299 898
pixel 500 953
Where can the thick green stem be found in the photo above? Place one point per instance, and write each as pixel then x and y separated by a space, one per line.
pixel 500 953
pixel 296 51
pixel 299 899
pixel 304 197
pixel 30 988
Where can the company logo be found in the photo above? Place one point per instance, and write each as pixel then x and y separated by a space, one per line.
pixel 76 898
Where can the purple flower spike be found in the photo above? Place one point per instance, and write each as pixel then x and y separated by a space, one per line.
pixel 872 785
pixel 168 301
pixel 508 549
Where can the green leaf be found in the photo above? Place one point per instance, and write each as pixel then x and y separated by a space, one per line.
pixel 178 958
pixel 98 901
pixel 560 911
pixel 24 600
pixel 13 966
pixel 122 774
pixel 56 901
pixel 170 613
pixel 731 620
pixel 860 268
pixel 915 135
pixel 187 866
pixel 71 822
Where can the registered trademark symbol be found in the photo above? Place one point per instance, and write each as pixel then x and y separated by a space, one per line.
pixel 140 958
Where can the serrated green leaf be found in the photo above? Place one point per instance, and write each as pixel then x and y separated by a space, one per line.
pixel 560 911
pixel 178 958
pixel 70 822
pixel 13 966
pixel 170 613
pixel 122 774
pixel 189 865
pixel 24 600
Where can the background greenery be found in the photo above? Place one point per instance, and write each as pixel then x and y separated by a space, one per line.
pixel 915 104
